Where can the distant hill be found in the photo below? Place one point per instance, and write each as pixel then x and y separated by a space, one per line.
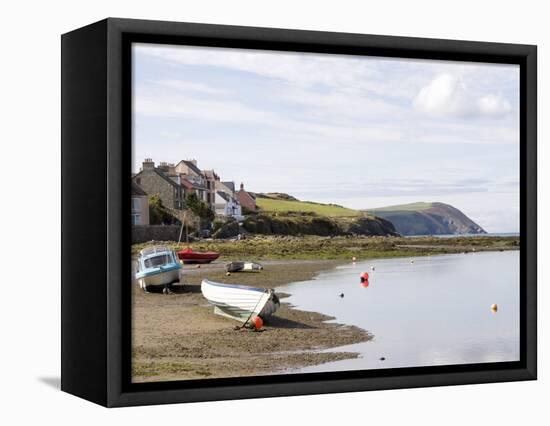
pixel 283 214
pixel 428 219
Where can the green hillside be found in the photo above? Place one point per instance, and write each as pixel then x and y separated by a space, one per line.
pixel 283 214
pixel 284 206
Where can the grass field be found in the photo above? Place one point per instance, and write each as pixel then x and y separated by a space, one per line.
pixel 284 206
pixel 404 208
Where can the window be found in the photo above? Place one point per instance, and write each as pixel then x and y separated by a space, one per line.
pixel 160 260
pixel 136 219
pixel 136 205
pixel 138 181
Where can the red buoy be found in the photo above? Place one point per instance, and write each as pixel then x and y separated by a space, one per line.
pixel 364 279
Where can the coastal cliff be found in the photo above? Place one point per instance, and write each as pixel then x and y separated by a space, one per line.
pixel 428 219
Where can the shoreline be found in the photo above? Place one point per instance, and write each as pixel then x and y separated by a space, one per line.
pixel 178 337
pixel 310 247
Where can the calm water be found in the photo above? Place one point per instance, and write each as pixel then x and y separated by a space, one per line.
pixel 491 234
pixel 434 311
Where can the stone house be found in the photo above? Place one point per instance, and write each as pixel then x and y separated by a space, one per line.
pixel 211 179
pixel 246 199
pixel 188 170
pixel 154 180
pixel 140 206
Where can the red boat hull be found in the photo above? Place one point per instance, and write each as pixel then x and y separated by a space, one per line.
pixel 190 256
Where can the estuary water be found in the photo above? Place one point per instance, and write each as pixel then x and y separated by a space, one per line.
pixel 421 311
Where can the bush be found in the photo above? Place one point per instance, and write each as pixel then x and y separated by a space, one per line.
pixel 228 229
pixel 217 224
pixel 158 214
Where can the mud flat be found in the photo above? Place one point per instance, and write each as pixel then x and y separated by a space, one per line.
pixel 178 337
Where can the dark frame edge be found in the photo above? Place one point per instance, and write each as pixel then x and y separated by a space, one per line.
pixel 83 144
pixel 530 138
pixel 320 387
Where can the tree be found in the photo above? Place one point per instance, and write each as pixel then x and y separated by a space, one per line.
pixel 158 214
pixel 198 207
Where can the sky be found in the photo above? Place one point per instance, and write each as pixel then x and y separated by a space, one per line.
pixel 362 132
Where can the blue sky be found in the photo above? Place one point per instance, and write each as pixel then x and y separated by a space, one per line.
pixel 363 132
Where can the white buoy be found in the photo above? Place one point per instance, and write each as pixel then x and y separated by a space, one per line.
pixel 372 268
pixel 494 307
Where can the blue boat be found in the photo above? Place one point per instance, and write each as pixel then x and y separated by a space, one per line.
pixel 157 266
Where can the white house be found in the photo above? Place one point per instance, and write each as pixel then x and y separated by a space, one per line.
pixel 226 205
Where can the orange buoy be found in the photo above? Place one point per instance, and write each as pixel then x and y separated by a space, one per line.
pixel 257 322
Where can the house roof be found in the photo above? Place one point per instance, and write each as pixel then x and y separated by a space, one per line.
pixel 166 178
pixel 186 184
pixel 211 174
pixel 230 185
pixel 192 185
pixel 162 175
pixel 192 166
pixel 225 196
pixel 137 190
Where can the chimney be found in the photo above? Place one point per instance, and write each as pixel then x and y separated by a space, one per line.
pixel 242 186
pixel 193 161
pixel 148 164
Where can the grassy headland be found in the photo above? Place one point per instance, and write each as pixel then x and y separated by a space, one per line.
pixel 273 205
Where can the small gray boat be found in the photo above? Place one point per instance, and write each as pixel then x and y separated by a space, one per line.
pixel 243 266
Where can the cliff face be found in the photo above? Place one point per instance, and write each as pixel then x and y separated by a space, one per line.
pixel 317 225
pixel 283 214
pixel 428 219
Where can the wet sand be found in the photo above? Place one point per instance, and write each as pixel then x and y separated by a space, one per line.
pixel 178 336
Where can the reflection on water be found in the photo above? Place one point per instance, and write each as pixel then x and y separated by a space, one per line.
pixel 432 311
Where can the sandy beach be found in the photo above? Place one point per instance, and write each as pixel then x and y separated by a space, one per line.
pixel 178 337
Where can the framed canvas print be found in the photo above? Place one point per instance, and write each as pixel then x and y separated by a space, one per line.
pixel 255 212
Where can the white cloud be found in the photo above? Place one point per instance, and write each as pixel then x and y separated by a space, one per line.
pixel 494 105
pixel 448 95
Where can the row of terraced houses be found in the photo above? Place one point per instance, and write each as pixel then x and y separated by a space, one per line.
pixel 174 182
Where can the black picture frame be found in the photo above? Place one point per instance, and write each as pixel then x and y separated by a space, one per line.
pixel 96 144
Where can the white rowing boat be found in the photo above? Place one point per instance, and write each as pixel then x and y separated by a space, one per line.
pixel 240 302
